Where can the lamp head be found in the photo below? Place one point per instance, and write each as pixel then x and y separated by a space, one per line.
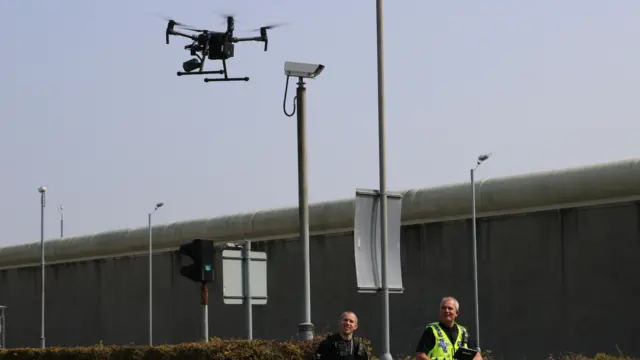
pixel 159 205
pixel 483 158
pixel 42 189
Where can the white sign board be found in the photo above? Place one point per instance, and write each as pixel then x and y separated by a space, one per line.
pixel 368 242
pixel 232 277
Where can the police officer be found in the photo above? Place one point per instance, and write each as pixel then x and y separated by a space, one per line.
pixel 440 340
pixel 343 345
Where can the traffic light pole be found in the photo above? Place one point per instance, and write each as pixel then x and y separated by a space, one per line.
pixel 201 271
pixel 204 301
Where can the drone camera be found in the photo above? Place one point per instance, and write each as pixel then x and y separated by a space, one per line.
pixel 191 65
pixel 302 70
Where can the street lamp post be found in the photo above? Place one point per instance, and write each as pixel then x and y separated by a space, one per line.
pixel 42 190
pixel 61 211
pixel 386 341
pixel 158 206
pixel 302 71
pixel 481 159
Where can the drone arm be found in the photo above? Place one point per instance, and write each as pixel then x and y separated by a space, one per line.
pixel 177 33
pixel 255 38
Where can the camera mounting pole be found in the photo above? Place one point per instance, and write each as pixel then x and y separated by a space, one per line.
pixel 306 327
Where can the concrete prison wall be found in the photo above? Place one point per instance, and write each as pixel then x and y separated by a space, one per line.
pixel 556 270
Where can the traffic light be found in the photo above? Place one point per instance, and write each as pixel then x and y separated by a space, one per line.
pixel 202 253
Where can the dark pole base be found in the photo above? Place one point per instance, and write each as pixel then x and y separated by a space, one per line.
pixel 305 331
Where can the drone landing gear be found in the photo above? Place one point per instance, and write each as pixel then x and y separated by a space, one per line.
pixel 221 72
pixel 180 73
pixel 227 79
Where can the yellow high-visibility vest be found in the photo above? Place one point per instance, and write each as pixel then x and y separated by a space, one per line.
pixel 444 349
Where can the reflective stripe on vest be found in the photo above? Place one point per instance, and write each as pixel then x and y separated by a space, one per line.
pixel 444 349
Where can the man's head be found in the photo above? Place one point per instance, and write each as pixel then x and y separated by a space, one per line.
pixel 348 324
pixel 449 310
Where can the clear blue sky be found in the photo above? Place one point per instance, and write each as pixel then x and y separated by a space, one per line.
pixel 91 107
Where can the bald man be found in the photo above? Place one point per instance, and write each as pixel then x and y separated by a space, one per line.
pixel 343 345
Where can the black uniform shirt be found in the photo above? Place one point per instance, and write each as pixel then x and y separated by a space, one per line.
pixel 334 347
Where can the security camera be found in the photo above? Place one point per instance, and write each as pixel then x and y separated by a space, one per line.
pixel 303 70
pixel 42 189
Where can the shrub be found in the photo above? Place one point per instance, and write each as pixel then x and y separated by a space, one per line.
pixel 215 349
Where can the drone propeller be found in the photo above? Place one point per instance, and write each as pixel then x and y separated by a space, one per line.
pixel 176 23
pixel 191 28
pixel 225 15
pixel 183 25
pixel 269 27
pixel 172 23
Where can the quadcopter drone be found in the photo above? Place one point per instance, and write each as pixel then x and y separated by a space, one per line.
pixel 213 45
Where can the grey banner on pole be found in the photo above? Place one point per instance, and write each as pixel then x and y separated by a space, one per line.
pixel 232 277
pixel 367 241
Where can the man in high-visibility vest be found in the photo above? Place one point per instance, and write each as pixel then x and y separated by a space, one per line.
pixel 442 339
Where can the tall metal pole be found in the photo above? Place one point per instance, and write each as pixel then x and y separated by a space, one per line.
pixel 305 329
pixel 42 191
pixel 150 282
pixel 60 210
pixel 158 206
pixel 386 342
pixel 246 277
pixel 3 328
pixel 475 259
pixel 481 159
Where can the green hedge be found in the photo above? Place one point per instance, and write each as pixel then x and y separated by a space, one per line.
pixel 215 349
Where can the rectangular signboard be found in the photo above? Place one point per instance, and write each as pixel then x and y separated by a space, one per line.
pixel 232 277
pixel 368 241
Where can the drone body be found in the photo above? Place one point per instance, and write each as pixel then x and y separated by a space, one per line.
pixel 212 45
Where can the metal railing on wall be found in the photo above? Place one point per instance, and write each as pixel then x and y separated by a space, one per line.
pixel 3 328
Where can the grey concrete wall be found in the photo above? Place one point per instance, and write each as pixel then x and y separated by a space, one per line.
pixel 553 281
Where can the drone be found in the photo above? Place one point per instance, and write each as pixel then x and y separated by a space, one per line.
pixel 212 45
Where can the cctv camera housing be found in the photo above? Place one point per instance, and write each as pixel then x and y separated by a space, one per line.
pixel 303 70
